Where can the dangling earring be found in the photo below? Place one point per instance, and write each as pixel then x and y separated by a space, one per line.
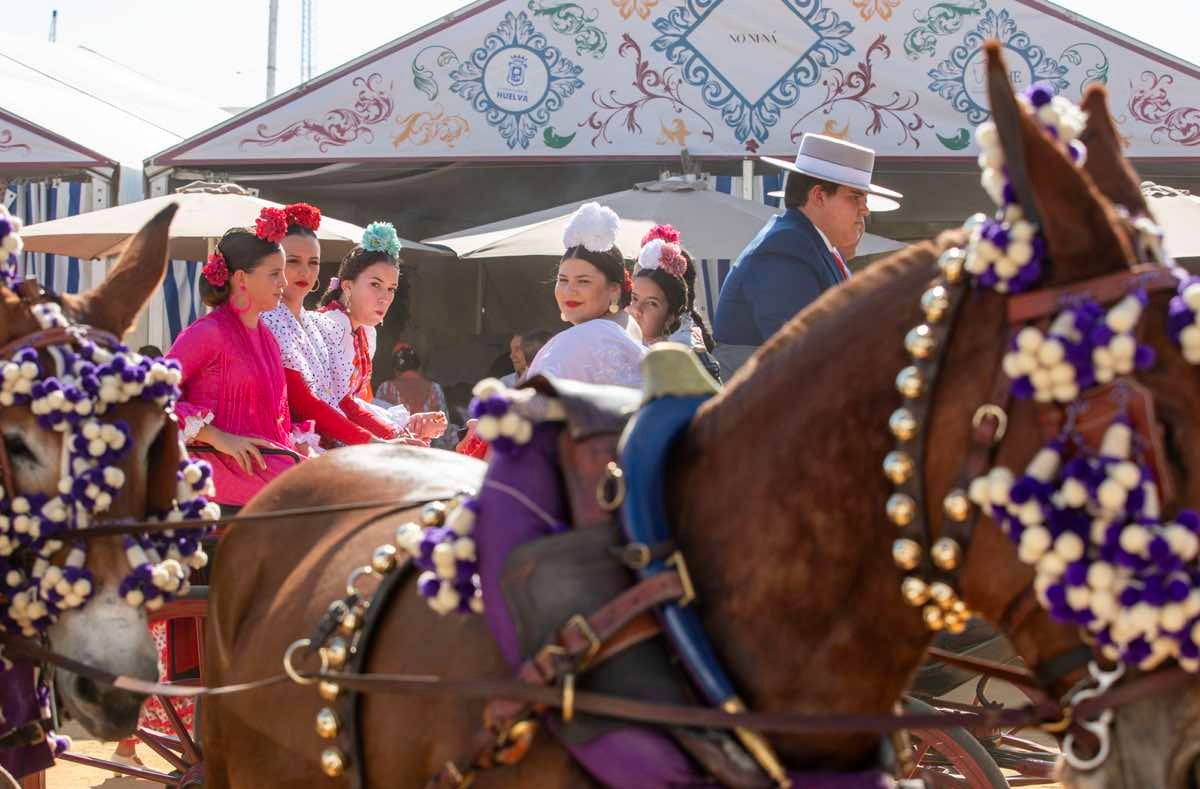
pixel 233 301
pixel 315 286
pixel 614 308
pixel 346 299
pixel 562 316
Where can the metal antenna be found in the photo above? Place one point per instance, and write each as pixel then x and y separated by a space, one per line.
pixel 54 26
pixel 306 35
pixel 272 34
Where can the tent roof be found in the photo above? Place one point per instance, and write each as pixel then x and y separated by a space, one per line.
pixel 69 106
pixel 523 80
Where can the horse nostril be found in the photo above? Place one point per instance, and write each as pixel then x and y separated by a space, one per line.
pixel 87 690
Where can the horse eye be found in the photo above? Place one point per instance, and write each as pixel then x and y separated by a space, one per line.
pixel 18 451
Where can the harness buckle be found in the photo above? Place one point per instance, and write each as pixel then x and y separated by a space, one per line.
pixel 685 578
pixel 614 477
pixel 995 412
pixel 580 623
pixel 568 698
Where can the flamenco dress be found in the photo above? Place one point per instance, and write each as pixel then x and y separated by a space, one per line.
pixel 599 351
pixel 350 353
pixel 309 369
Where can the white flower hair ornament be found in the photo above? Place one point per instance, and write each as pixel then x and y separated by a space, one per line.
pixel 593 227
pixel 660 254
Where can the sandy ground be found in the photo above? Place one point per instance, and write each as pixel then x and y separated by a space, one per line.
pixel 66 775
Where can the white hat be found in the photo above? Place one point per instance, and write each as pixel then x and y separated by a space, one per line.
pixel 841 162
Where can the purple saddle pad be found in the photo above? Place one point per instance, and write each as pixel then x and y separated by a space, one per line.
pixel 19 705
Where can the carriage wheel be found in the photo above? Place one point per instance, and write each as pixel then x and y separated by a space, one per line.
pixel 952 757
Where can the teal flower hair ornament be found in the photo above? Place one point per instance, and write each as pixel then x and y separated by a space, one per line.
pixel 381 237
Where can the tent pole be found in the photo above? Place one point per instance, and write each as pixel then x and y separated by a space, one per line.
pixel 479 282
pixel 747 178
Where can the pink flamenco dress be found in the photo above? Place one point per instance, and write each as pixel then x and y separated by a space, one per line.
pixel 232 379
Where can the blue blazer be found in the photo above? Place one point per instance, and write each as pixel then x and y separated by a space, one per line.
pixel 779 273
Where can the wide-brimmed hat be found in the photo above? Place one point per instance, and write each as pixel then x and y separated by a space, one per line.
pixel 841 162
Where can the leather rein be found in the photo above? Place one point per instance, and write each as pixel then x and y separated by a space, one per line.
pixel 989 429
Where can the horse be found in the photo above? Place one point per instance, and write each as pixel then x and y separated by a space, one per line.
pixel 107 632
pixel 776 501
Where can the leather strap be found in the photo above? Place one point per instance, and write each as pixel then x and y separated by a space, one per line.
pixel 1044 303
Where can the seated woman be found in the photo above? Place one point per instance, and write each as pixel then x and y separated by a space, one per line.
pixel 409 387
pixel 604 344
pixel 357 301
pixel 663 301
pixel 307 363
pixel 234 394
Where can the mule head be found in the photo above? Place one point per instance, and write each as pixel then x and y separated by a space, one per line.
pixel 1153 741
pixel 106 632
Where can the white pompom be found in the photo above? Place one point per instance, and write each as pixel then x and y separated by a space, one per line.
pixel 1074 493
pixel 1112 495
pixel 443 560
pixel 1079 597
pixel 1069 546
pixel 464 549
pixel 594 227
pixel 1173 617
pixel 461 522
pixel 1101 575
pixel 1000 482
pixel 488 428
pixel 509 424
pixel 1183 543
pixel 1126 473
pixel 1035 541
pixel 1135 539
pixel 1029 339
pixel 1103 604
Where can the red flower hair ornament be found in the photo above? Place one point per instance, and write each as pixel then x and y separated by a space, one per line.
pixel 271 225
pixel 303 215
pixel 215 271
pixel 667 233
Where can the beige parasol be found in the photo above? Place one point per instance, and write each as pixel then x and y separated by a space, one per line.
pixel 206 211
pixel 1177 212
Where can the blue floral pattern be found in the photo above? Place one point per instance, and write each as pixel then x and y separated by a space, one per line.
pixel 950 76
pixel 752 120
pixel 516 80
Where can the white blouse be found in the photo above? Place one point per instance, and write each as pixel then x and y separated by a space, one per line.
pixel 598 351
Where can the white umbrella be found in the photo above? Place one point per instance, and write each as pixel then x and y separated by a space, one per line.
pixel 713 225
pixel 1177 212
pixel 206 211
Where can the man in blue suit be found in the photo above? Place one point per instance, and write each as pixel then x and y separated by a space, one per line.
pixel 795 258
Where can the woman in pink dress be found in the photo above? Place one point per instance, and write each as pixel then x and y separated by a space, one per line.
pixel 234 403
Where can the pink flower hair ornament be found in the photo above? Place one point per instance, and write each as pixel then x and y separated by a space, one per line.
pixel 665 255
pixel 667 233
pixel 215 270
pixel 271 225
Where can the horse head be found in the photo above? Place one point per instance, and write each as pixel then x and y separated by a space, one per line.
pixel 819 558
pixel 87 435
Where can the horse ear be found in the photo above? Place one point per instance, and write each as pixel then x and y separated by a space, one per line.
pixel 1105 162
pixel 1081 229
pixel 114 304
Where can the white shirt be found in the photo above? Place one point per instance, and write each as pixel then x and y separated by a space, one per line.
pixel 599 351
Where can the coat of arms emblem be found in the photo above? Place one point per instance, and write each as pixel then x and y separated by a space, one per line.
pixel 516 70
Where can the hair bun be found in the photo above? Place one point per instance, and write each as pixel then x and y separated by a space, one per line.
pixel 593 227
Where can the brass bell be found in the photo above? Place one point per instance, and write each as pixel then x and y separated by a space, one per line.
pixel 333 763
pixel 935 302
pixel 327 723
pixel 328 690
pixel 934 619
pixel 956 505
pixel 945 554
pixel 433 514
pixel 903 424
pixel 951 263
pixel 915 591
pixel 957 626
pixel 901 509
pixel 906 553
pixel 919 342
pixel 909 383
pixel 350 623
pixel 383 561
pixel 942 594
pixel 898 467
pixel 960 608
pixel 336 653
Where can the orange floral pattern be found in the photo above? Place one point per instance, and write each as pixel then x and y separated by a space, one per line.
pixel 422 128
pixel 869 8
pixel 627 8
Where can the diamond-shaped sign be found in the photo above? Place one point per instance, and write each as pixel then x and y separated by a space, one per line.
pixel 751 58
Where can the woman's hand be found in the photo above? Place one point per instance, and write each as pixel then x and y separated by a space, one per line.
pixel 243 449
pixel 428 425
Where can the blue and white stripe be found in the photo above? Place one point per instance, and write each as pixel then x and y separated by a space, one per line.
pixel 712 272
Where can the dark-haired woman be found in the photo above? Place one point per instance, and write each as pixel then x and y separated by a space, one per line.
pixel 663 301
pixel 356 302
pixel 603 345
pixel 234 394
pixel 307 365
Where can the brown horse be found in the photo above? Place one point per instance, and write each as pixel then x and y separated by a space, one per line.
pixel 777 502
pixel 107 632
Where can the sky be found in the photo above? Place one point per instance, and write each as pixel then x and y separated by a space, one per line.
pixel 216 49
